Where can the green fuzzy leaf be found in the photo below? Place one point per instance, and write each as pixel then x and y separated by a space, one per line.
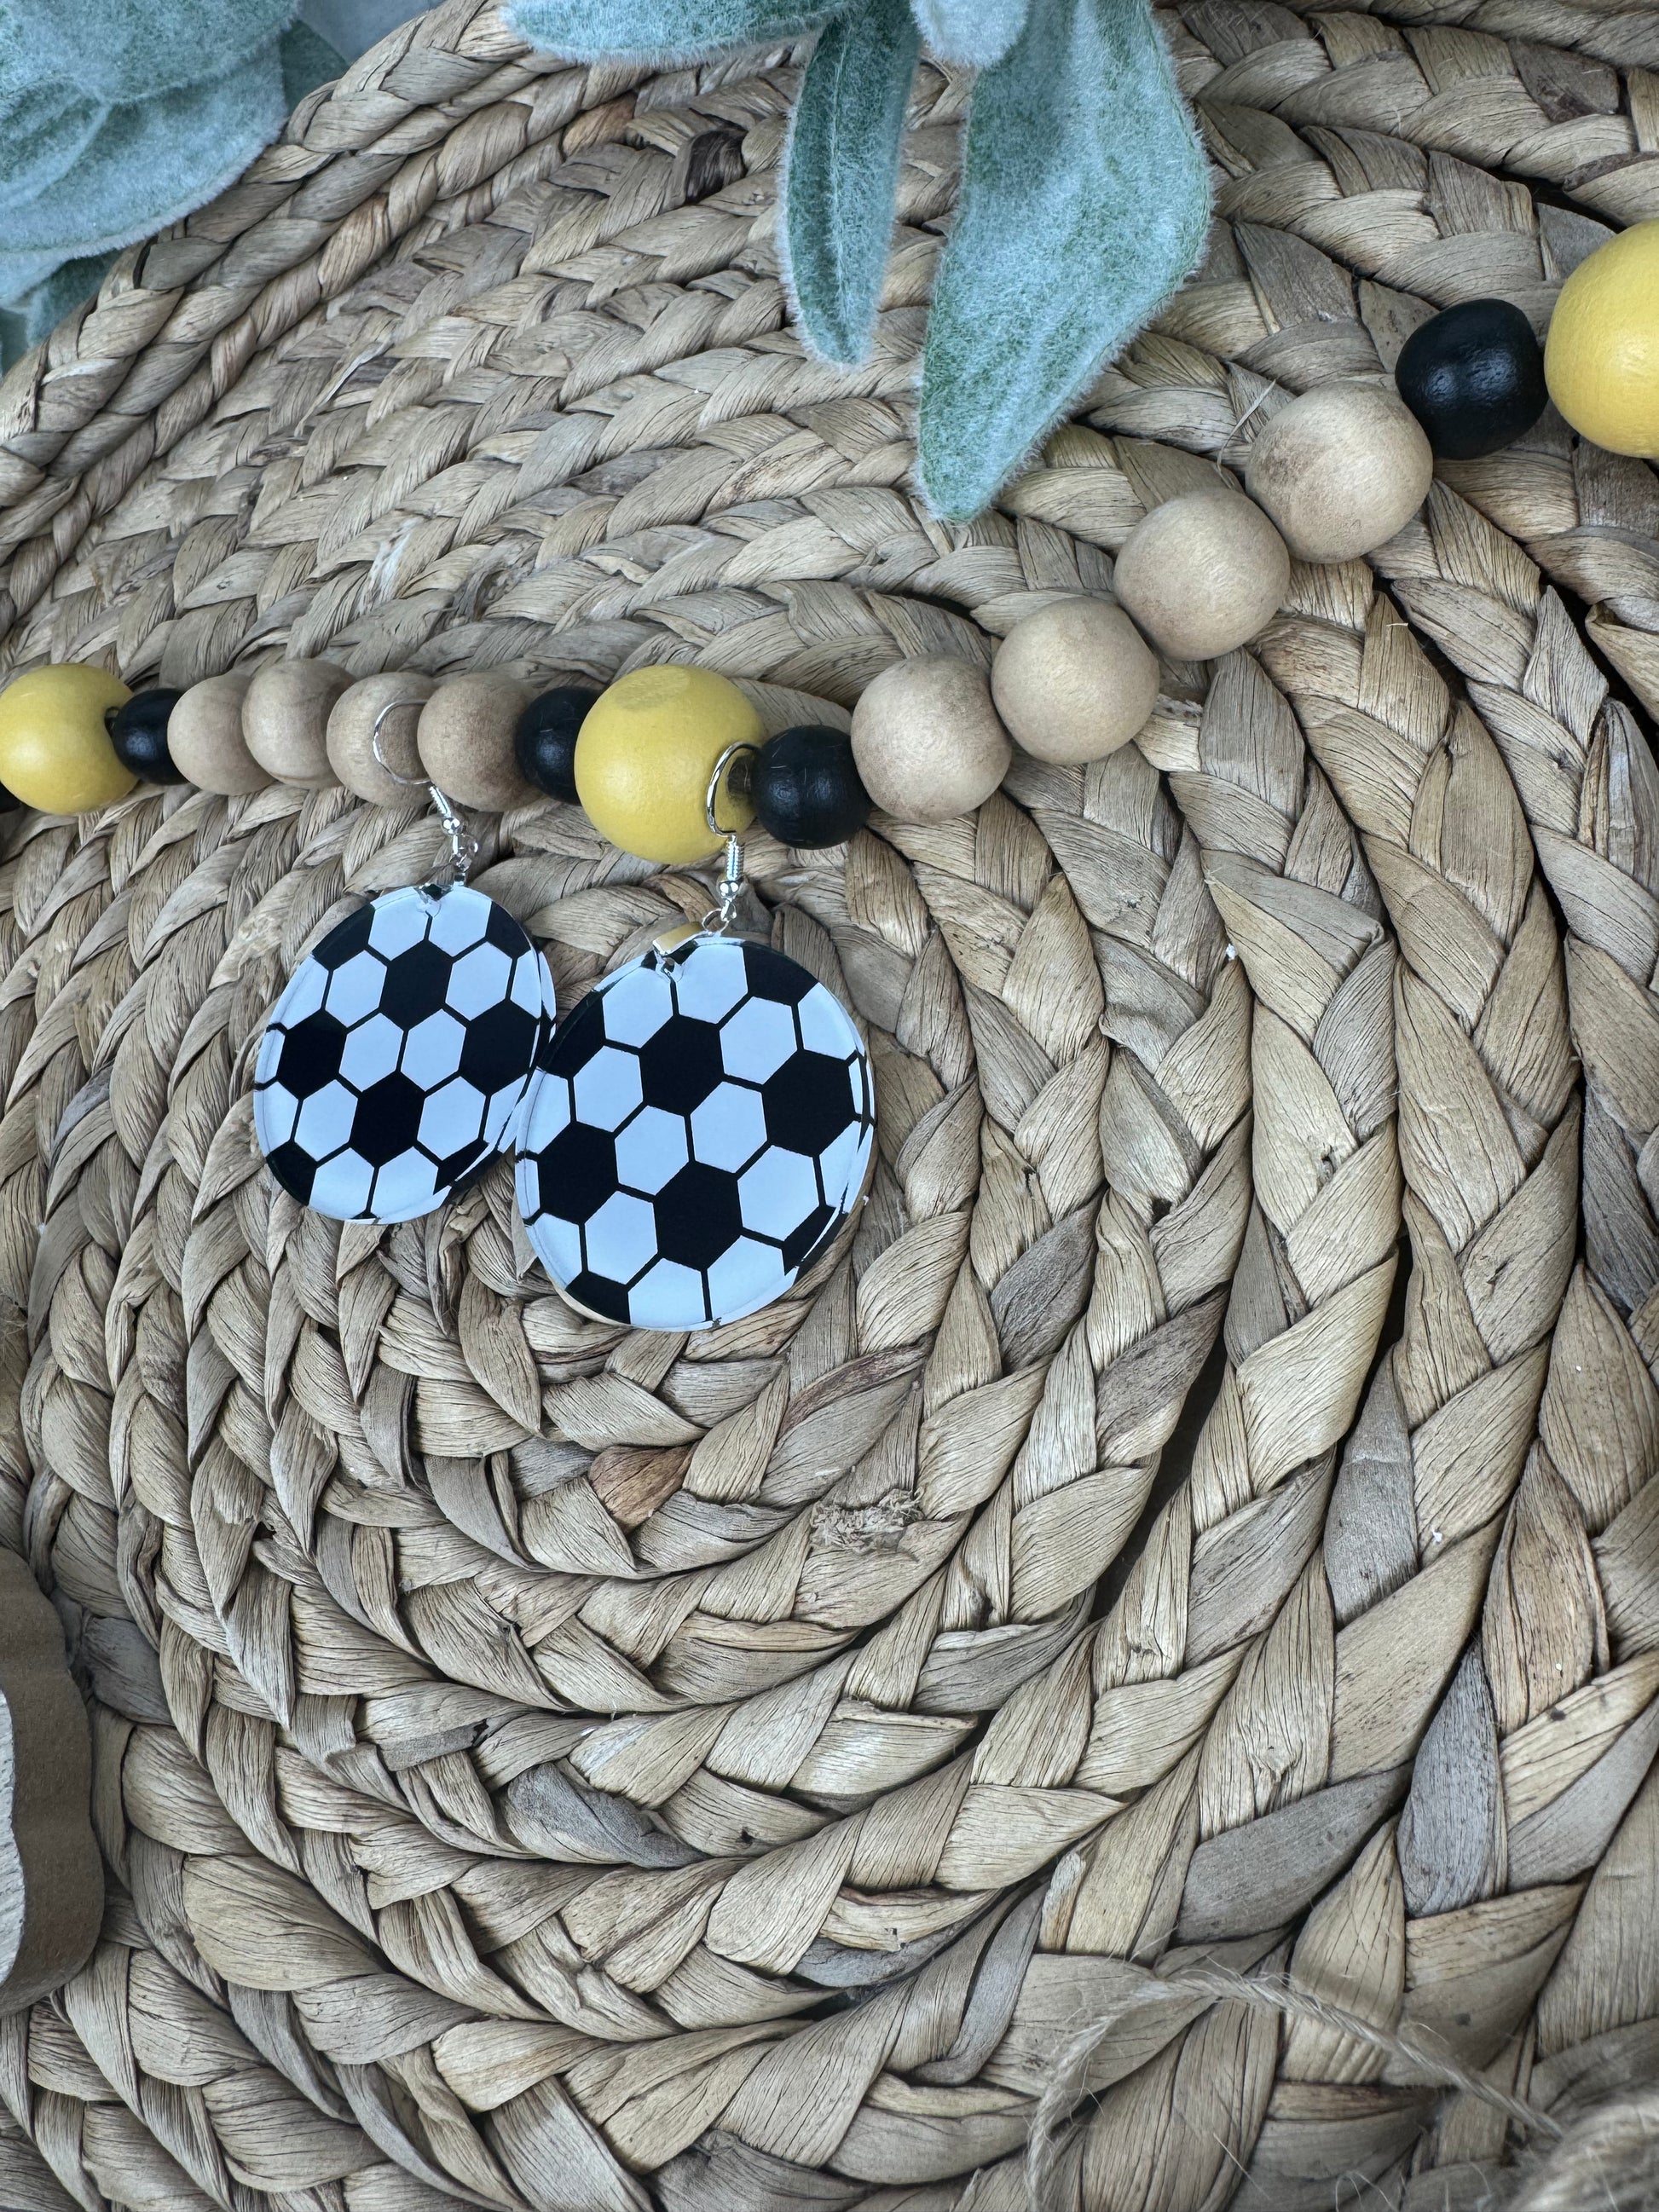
pixel 972 33
pixel 660 30
pixel 1084 202
pixel 142 163
pixel 842 173
pixel 96 49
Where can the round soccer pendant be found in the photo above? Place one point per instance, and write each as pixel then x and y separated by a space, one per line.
pixel 701 1128
pixel 398 1055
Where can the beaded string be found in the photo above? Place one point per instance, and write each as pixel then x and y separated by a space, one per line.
pixel 1330 476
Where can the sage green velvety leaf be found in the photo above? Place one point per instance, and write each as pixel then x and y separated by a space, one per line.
pixel 971 33
pixel 840 173
pixel 1084 202
pixel 660 30
pixel 145 163
pixel 120 51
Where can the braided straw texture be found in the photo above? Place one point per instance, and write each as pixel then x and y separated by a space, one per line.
pixel 1202 1524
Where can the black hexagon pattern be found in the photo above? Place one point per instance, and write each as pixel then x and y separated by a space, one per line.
pixel 396 1059
pixel 703 1123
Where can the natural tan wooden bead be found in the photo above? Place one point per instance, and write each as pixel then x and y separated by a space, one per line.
pixel 1074 681
pixel 204 736
pixel 399 695
pixel 1202 573
pixel 1341 469
pixel 466 741
pixel 285 719
pixel 928 741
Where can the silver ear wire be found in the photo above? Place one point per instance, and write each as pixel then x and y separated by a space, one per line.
pixel 393 707
pixel 723 918
pixel 462 844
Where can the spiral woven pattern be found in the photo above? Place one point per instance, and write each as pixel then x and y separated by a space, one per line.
pixel 1202 1519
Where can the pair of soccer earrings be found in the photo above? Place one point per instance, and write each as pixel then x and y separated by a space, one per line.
pixel 689 1139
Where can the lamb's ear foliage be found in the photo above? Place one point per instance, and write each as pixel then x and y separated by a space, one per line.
pixel 1084 196
pixel 1084 202
pixel 974 33
pixel 840 175
pixel 659 30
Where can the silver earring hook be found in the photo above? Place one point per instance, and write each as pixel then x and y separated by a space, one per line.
pixel 462 844
pixel 722 919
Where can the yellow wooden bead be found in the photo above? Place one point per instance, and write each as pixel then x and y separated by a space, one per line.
pixel 645 754
pixel 1602 357
pixel 55 751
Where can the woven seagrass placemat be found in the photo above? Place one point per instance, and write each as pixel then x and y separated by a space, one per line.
pixel 540 1766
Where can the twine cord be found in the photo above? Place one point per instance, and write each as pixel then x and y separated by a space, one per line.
pixel 1417 2053
pixel 1416 2049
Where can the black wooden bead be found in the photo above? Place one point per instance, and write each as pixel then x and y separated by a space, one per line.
pixel 1473 377
pixel 805 788
pixel 544 742
pixel 139 731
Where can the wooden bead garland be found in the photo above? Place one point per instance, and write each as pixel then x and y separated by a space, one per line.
pixel 466 740
pixel 645 755
pixel 1333 475
pixel 806 787
pixel 383 768
pixel 1341 469
pixel 1074 681
pixel 544 741
pixel 1601 354
pixel 1473 377
pixel 138 730
pixel 927 739
pixel 204 736
pixel 1202 574
pixel 285 719
pixel 54 749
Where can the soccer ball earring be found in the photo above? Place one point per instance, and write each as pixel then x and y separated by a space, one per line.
pixel 702 1126
pixel 396 1061
pixel 696 1131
